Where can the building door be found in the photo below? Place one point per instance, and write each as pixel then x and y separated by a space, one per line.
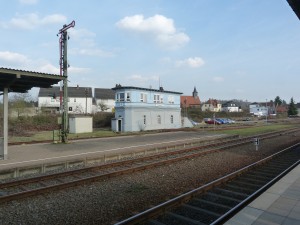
pixel 119 125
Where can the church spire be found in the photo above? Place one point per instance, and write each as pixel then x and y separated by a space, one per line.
pixel 195 93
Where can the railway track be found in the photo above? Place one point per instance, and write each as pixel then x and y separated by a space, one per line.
pixel 216 202
pixel 23 188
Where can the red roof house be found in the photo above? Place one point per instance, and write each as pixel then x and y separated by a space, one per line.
pixel 190 101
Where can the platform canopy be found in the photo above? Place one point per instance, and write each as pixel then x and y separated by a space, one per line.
pixel 295 5
pixel 22 81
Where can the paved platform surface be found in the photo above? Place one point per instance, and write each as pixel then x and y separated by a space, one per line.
pixel 31 154
pixel 280 204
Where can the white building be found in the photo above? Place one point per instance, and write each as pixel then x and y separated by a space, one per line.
pixel 258 109
pixel 138 109
pixel 230 107
pixel 212 105
pixel 79 101
pixel 104 99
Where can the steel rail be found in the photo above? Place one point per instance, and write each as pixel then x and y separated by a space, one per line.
pixel 93 178
pixel 129 161
pixel 179 200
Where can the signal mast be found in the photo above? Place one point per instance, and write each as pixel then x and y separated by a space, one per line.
pixel 63 64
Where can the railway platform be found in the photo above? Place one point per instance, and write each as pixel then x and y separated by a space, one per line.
pixel 36 154
pixel 280 204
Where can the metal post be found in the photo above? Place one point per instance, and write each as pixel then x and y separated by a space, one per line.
pixel 64 72
pixel 65 89
pixel 5 122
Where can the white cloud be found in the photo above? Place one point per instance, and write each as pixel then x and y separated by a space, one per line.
pixel 218 79
pixel 32 21
pixel 190 62
pixel 48 68
pixel 81 34
pixel 160 28
pixel 13 58
pixel 28 2
pixel 18 61
pixel 87 45
pixel 78 70
pixel 91 52
pixel 140 78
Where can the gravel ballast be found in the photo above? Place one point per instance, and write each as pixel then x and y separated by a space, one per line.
pixel 112 200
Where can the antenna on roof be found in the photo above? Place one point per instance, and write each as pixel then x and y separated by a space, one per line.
pixel 158 82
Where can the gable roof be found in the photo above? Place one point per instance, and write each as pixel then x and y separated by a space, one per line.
pixel 104 93
pixel 187 101
pixel 213 102
pixel 73 92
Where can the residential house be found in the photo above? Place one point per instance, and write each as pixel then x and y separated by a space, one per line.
pixel 258 109
pixel 263 108
pixel 104 100
pixel 190 101
pixel 281 109
pixel 138 109
pixel 79 99
pixel 230 106
pixel 211 105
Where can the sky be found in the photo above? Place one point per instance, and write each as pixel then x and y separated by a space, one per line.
pixel 234 49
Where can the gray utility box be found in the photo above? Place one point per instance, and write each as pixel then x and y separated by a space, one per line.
pixel 80 124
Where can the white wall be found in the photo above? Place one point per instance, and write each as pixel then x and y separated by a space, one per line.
pixel 78 105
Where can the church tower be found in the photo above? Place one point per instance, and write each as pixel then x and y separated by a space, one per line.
pixel 195 93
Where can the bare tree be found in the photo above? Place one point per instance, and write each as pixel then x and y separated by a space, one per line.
pixel 18 102
pixel 103 106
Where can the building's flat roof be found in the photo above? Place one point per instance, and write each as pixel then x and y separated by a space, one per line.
pixel 21 81
pixel 119 87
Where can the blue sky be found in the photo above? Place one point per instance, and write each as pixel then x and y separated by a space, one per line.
pixel 233 49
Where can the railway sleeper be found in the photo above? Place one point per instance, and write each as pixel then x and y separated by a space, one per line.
pixel 230 193
pixel 174 219
pixel 209 196
pixel 238 188
pixel 154 222
pixel 256 176
pixel 254 181
pixel 218 208
pixel 247 184
pixel 195 213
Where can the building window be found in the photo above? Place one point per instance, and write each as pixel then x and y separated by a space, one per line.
pixel 144 119
pixel 156 98
pixel 74 99
pixel 120 97
pixel 172 119
pixel 158 119
pixel 128 97
pixel 70 108
pixel 143 97
pixel 171 99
